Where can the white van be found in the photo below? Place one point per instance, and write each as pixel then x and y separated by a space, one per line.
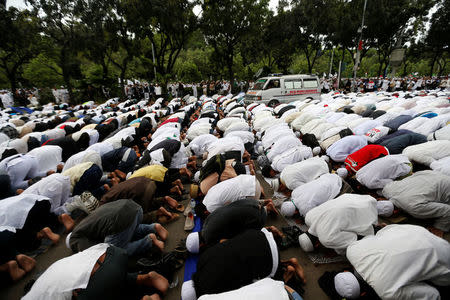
pixel 283 89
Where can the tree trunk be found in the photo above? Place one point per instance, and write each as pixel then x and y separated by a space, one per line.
pixel 230 72
pixel 432 64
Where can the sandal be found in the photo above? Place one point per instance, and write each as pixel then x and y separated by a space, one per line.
pixel 189 224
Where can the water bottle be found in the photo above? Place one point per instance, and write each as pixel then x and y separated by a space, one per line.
pixel 193 206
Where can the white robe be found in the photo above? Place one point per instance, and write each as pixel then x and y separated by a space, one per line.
pixel 398 260
pixel 379 172
pixel 81 157
pixel 265 289
pixel 14 210
pixel 55 187
pixel 346 146
pixel 291 156
pixel 442 165
pixel 302 172
pixel 199 145
pixel 428 152
pixel 316 192
pixel 48 156
pixel 282 144
pixel 223 145
pixel 338 222
pixel 230 190
pixel 424 195
pixel 66 275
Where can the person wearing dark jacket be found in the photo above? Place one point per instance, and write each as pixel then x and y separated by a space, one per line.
pixel 396 144
pixel 117 223
pixel 227 222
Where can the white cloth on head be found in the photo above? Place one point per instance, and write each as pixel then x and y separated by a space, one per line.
pixel 316 192
pixel 188 291
pixel 193 242
pixel 385 208
pixel 228 191
pixel 379 172
pixel 338 222
pixel 302 172
pixel 14 210
pixel 398 261
pixel 347 285
pixel 424 195
pixel 66 275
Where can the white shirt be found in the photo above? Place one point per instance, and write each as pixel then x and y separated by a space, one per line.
pixel 379 172
pixel 66 275
pixel 338 222
pixel 302 172
pixel 346 146
pixel 316 192
pixel 230 190
pixel 398 260
pixel 291 156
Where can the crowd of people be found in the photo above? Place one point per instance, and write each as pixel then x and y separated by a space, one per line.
pixel 113 175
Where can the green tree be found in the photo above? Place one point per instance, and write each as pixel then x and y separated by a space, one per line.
pixel 19 42
pixel 227 23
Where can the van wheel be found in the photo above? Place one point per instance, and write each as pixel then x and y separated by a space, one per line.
pixel 273 103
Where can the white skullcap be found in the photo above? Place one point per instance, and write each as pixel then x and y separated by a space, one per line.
pixel 288 209
pixel 261 150
pixel 385 208
pixel 305 243
pixel 316 151
pixel 68 240
pixel 188 291
pixel 325 158
pixel 342 172
pixel 197 176
pixel 193 242
pixel 275 184
pixel 297 134
pixel 347 285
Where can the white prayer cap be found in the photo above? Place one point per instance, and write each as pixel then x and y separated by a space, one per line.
pixel 261 150
pixel 316 151
pixel 385 208
pixel 288 209
pixel 193 242
pixel 342 172
pixel 305 243
pixel 197 176
pixel 68 240
pixel 297 134
pixel 275 184
pixel 188 291
pixel 347 285
pixel 325 158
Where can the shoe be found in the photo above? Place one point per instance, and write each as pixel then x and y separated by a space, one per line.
pixel 189 224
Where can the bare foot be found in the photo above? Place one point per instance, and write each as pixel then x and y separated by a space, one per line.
pixel 290 271
pixel 50 172
pixel 298 269
pixel 275 231
pixel 26 263
pixel 67 221
pixel 176 190
pixel 152 297
pixel 106 187
pixel 161 231
pixel 271 208
pixel 156 242
pixel 14 271
pixel 49 234
pixel 192 158
pixel 185 171
pixel 154 280
pixel 172 202
pixel 19 191
pixel 115 181
pixel 179 184
pixel 120 174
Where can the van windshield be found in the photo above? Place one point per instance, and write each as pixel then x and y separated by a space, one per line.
pixel 259 84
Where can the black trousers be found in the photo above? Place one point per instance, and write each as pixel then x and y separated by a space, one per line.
pixel 111 280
